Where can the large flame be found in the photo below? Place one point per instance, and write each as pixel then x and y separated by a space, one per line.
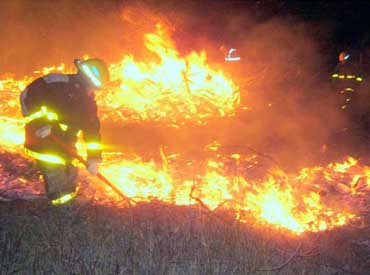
pixel 312 200
pixel 170 89
pixel 176 90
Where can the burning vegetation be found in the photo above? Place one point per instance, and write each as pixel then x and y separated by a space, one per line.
pixel 245 177
pixel 176 90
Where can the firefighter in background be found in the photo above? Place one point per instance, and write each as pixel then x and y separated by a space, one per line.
pixel 58 107
pixel 347 79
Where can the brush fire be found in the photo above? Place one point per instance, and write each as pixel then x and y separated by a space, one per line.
pixel 176 90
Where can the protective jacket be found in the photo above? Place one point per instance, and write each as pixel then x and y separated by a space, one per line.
pixel 61 101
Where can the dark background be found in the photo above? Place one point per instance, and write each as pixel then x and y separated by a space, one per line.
pixel 336 25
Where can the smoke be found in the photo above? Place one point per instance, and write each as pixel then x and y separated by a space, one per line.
pixel 284 78
pixel 288 88
pixel 303 115
pixel 282 75
pixel 42 33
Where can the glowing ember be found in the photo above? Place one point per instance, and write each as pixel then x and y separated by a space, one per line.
pixel 299 203
pixel 288 201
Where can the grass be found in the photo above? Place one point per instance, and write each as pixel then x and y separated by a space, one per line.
pixel 155 238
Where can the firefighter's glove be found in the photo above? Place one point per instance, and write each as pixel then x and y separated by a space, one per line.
pixel 93 166
pixel 43 132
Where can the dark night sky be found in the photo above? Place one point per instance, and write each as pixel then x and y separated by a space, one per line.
pixel 336 25
pixel 349 21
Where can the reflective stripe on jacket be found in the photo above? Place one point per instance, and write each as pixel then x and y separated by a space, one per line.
pixel 63 102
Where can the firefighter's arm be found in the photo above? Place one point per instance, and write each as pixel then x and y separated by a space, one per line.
pixel 34 106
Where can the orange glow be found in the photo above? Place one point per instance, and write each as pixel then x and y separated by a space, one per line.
pixel 12 133
pixel 167 88
pixel 178 89
pixel 288 201
pixel 172 89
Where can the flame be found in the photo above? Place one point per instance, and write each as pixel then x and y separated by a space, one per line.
pixel 178 89
pixel 171 89
pixel 294 202
pixel 12 132
pixel 286 200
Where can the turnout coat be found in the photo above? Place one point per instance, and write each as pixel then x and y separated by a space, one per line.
pixel 65 103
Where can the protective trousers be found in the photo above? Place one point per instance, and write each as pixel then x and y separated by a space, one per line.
pixel 59 179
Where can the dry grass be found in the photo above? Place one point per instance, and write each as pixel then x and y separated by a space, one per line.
pixel 155 238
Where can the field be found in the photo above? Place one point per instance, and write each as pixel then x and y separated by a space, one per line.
pixel 259 166
pixel 155 238
pixel 86 237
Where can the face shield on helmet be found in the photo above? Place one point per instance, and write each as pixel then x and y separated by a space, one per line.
pixel 94 70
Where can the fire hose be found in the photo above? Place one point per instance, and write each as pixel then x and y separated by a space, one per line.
pixel 74 155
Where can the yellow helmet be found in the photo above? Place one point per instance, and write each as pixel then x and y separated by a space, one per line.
pixel 95 70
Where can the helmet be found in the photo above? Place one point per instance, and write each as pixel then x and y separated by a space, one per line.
pixel 344 56
pixel 95 70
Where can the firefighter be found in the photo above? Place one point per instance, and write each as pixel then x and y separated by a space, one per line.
pixel 352 95
pixel 347 79
pixel 57 108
